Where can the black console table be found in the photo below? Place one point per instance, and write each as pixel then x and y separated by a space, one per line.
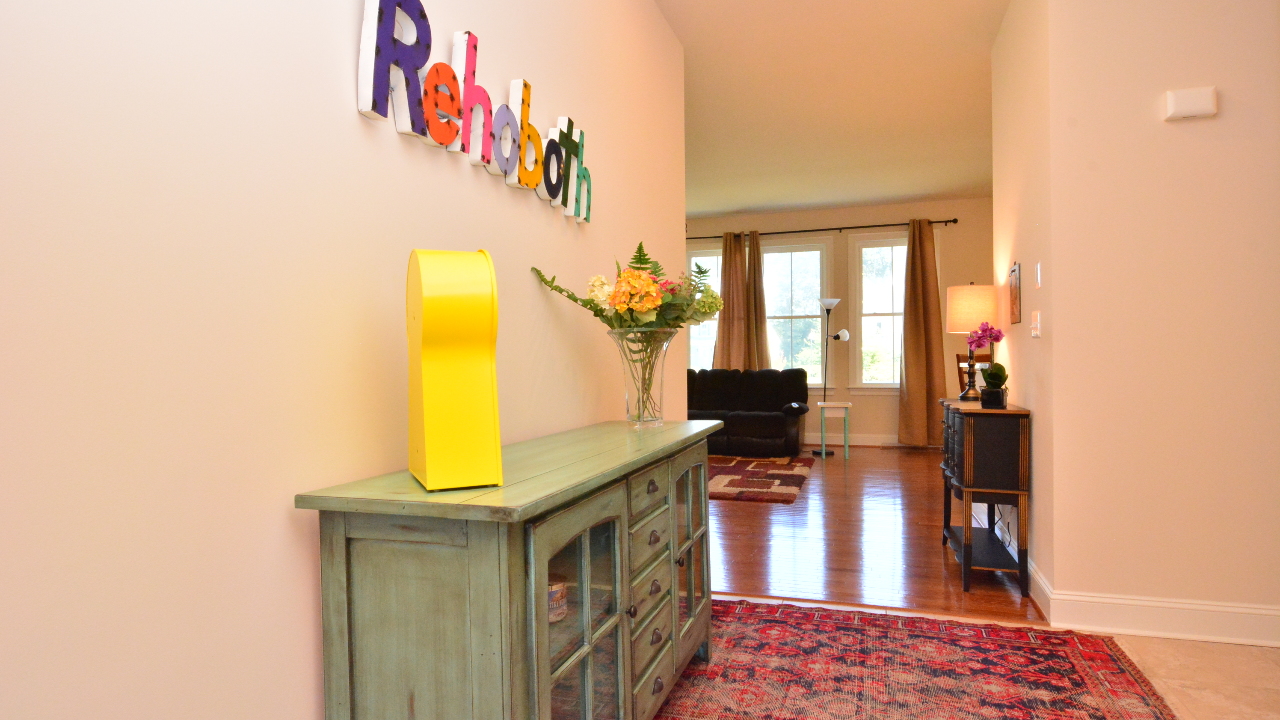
pixel 986 459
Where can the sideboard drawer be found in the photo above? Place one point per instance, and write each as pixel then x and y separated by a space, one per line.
pixel 654 685
pixel 649 637
pixel 649 538
pixel 648 589
pixel 648 488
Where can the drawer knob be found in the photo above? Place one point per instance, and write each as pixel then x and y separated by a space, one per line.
pixel 681 562
pixel 653 486
pixel 657 686
pixel 631 612
pixel 656 638
pixel 654 537
pixel 655 588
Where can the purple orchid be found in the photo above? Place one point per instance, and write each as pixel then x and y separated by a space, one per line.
pixel 985 335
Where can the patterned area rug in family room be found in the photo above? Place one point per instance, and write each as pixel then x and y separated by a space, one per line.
pixel 782 662
pixel 776 480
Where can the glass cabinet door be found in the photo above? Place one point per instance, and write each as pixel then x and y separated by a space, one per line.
pixel 689 473
pixel 575 567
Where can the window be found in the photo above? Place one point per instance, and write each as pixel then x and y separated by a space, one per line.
pixel 878 282
pixel 793 281
pixel 702 337
pixel 792 286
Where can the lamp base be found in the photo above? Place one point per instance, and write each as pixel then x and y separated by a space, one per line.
pixel 971 393
pixel 824 453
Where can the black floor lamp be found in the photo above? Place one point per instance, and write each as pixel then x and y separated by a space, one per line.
pixel 828 304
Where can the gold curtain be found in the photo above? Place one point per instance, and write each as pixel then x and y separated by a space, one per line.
pixel 741 340
pixel 923 374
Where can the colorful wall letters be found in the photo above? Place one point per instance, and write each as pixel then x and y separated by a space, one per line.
pixel 446 107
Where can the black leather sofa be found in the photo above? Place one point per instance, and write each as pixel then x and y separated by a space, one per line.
pixel 762 410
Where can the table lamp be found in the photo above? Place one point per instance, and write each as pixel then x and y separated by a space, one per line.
pixel 968 306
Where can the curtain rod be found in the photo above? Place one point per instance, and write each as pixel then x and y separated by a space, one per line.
pixel 837 229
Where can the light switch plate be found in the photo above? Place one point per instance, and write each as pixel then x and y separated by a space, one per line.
pixel 1191 103
pixel 1037 276
pixel 1035 323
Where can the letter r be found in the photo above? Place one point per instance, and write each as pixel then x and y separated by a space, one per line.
pixel 390 65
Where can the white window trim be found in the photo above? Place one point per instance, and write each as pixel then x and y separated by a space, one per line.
pixel 858 241
pixel 823 243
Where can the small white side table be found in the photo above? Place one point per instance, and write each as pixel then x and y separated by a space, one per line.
pixel 822 420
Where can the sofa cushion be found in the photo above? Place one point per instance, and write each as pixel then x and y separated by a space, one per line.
pixel 756 424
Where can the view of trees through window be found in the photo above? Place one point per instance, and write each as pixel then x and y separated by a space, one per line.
pixel 884 268
pixel 792 286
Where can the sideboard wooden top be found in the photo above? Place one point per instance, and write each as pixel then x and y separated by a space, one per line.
pixel 974 407
pixel 539 475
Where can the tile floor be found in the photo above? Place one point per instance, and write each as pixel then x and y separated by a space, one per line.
pixel 1210 681
pixel 1199 680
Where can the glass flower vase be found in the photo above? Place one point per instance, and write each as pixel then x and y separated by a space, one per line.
pixel 642 353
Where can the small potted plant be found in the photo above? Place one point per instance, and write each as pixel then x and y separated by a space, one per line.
pixel 995 396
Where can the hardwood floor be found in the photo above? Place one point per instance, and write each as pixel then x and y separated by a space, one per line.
pixel 864 531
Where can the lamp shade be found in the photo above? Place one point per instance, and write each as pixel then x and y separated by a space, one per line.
pixel 968 306
pixel 829 303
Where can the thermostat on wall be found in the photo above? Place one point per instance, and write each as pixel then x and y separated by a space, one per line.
pixel 1191 103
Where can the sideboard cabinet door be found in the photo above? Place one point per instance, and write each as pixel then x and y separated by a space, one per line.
pixel 693 571
pixel 577 569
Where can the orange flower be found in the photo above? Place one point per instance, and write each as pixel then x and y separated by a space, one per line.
pixel 635 290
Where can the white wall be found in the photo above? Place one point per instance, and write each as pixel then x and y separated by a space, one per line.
pixel 964 256
pixel 201 297
pixel 1162 255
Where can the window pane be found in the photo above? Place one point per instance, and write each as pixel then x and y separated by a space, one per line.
pixel 604 678
pixel 806 282
pixel 702 338
pixel 877 280
pixel 878 352
pixel 564 602
pixel 797 343
pixel 702 344
pixel 777 284
pixel 568 699
pixel 899 276
pixel 712 265
pixel 603 595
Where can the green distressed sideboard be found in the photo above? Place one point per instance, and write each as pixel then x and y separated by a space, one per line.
pixel 578 590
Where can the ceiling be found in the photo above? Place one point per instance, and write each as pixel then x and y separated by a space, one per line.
pixel 834 102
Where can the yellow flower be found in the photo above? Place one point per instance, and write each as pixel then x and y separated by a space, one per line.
pixel 635 290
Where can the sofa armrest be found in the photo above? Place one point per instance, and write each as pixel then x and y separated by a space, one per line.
pixel 795 409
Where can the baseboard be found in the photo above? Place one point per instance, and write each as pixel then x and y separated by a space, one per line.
pixel 1241 624
pixel 837 439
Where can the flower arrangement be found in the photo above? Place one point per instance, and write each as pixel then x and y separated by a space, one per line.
pixel 641 296
pixel 643 309
pixel 994 375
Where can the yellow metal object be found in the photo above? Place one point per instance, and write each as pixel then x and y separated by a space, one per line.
pixel 452 303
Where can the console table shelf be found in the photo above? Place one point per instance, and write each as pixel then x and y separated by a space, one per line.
pixel 986 459
pixel 578 590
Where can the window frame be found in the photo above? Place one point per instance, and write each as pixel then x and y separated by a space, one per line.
pixel 798 242
pixel 856 244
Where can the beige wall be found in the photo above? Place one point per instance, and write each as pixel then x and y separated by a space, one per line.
pixel 1163 262
pixel 964 256
pixel 205 250
pixel 1020 163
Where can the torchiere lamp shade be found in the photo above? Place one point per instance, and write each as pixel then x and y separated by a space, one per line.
pixel 968 306
pixel 452 314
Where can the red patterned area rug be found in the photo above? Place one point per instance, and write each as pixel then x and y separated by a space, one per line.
pixel 775 480
pixel 782 662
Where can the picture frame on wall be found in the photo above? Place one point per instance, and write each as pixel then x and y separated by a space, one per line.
pixel 1015 294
